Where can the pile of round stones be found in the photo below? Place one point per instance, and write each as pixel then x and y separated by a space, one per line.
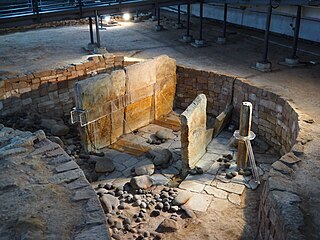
pixel 134 207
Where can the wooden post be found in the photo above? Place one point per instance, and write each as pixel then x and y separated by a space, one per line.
pixel 244 131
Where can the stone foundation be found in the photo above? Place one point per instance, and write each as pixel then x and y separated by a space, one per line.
pixel 125 100
pixel 276 121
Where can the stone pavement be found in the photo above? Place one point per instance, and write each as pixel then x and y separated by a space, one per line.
pixel 211 184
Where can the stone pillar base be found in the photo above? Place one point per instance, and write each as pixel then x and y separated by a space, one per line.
pixel 186 39
pixel 90 46
pixel 100 50
pixel 221 40
pixel 178 26
pixel 263 66
pixel 158 28
pixel 199 43
pixel 292 62
pixel 136 19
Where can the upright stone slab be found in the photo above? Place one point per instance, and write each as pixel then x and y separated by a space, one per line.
pixel 165 87
pixel 194 134
pixel 100 97
pixel 140 80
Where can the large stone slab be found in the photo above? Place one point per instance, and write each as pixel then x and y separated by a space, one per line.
pixel 100 97
pixel 194 134
pixel 199 202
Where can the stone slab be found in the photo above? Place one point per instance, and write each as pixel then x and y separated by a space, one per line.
pixel 66 166
pixel 218 193
pixel 201 178
pixel 231 187
pixel 192 186
pixel 159 179
pixel 199 202
pixel 194 135
pixel 234 199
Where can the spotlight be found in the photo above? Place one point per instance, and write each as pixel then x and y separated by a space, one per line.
pixel 126 16
pixel 107 19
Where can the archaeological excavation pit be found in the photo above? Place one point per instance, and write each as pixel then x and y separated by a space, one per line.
pixel 148 150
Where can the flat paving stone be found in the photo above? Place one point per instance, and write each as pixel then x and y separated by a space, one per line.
pixel 84 194
pixel 170 172
pixel 214 168
pixel 207 160
pixel 218 193
pixel 199 202
pixel 121 181
pixel 202 178
pixel 234 199
pixel 78 183
pixel 231 187
pixel 130 162
pixel 111 176
pixel 159 179
pixel 119 167
pixel 127 172
pixel 192 186
pixel 218 151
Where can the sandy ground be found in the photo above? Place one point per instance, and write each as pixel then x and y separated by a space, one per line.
pixel 51 48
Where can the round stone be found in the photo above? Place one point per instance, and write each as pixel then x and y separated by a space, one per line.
pixel 159 205
pixel 143 205
pixel 229 175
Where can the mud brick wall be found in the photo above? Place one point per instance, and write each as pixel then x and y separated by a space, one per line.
pixel 275 120
pixel 273 117
pixel 52 91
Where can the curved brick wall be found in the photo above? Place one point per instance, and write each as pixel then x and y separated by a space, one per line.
pixel 275 120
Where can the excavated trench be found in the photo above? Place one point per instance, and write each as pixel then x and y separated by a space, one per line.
pixel 234 206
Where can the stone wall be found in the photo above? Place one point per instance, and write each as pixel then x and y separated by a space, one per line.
pixel 52 91
pixel 276 121
pixel 45 192
pixel 125 100
pixel 194 134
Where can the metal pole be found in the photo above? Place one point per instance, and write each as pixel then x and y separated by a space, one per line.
pixel 225 20
pixel 158 15
pixel 188 18
pixel 266 35
pixel 179 14
pixel 97 29
pixel 201 18
pixel 296 33
pixel 91 30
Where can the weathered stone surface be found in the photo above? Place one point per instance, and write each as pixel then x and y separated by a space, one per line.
pixel 234 198
pixel 84 194
pixel 66 176
pixel 159 179
pixel 99 232
pixel 206 161
pixel 199 202
pixel 281 167
pixel 143 182
pixel 181 198
pixel 162 157
pixel 289 159
pixel 165 87
pixel 281 184
pixel 145 167
pixel 91 96
pixel 192 186
pixel 194 134
pixel 231 187
pixel 59 130
pixel 109 203
pixel 218 193
pixel 103 164
pixel 201 178
pixel 67 166
pixel 167 225
pixel 165 134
